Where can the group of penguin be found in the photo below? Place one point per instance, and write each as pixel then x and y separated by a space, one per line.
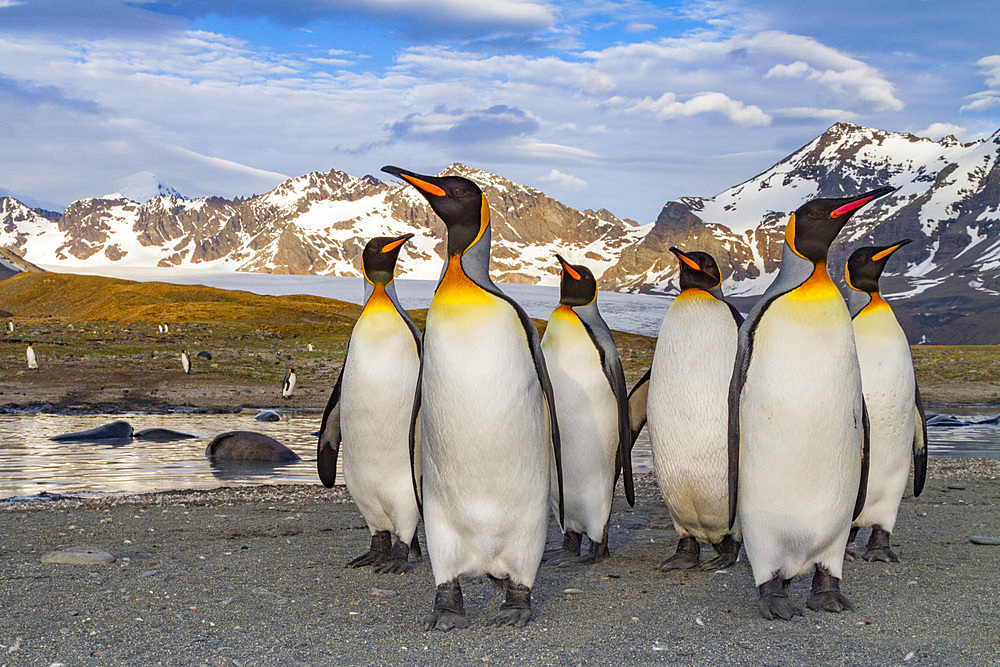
pixel 782 433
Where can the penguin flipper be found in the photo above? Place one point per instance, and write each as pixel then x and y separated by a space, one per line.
pixel 328 446
pixel 416 452
pixel 919 443
pixel 865 461
pixel 735 389
pixel 735 313
pixel 637 404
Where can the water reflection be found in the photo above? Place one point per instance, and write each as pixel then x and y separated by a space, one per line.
pixel 30 463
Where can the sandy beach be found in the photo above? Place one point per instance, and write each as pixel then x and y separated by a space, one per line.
pixel 255 576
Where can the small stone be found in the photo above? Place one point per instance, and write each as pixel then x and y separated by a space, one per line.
pixel 79 557
pixel 384 592
pixel 699 621
pixel 910 656
pixel 573 591
pixel 982 539
pixel 149 573
pixel 957 486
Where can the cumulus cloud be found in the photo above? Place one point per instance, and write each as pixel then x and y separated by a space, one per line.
pixel 465 126
pixel 939 130
pixel 987 99
pixel 564 181
pixel 667 107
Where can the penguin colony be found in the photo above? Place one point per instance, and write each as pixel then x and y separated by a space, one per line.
pixel 778 436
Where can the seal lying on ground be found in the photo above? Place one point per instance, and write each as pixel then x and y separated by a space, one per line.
pixel 248 446
pixel 268 416
pixel 161 435
pixel 114 431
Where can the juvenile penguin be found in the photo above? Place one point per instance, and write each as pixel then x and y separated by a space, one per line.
pixel 487 420
pixel 687 406
pixel 895 411
pixel 798 430
pixel 369 413
pixel 589 387
pixel 185 361
pixel 30 354
pixel 288 386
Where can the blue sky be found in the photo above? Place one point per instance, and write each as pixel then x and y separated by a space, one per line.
pixel 616 104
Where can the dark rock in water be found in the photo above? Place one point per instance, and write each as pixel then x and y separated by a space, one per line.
pixel 944 421
pixel 161 435
pixel 205 355
pixel 268 416
pixel 979 539
pixel 315 434
pixel 990 420
pixel 248 446
pixel 120 430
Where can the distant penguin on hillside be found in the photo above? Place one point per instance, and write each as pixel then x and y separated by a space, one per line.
pixel 32 359
pixel 798 428
pixel 159 328
pixel 288 387
pixel 895 411
pixel 10 326
pixel 369 415
pixel 589 388
pixel 166 329
pixel 688 412
pixel 310 347
pixel 185 361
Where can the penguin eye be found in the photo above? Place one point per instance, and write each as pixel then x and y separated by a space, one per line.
pixel 460 192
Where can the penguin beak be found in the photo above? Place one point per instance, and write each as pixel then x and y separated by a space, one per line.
pixel 683 257
pixel 392 245
pixel 423 183
pixel 882 254
pixel 860 201
pixel 573 273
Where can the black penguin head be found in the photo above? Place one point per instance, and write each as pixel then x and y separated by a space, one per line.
pixel 698 270
pixel 578 286
pixel 865 266
pixel 815 224
pixel 378 260
pixel 458 202
pixel 291 370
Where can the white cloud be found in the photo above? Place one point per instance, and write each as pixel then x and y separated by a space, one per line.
pixel 987 99
pixel 667 107
pixel 564 181
pixel 639 27
pixel 813 112
pixel 939 130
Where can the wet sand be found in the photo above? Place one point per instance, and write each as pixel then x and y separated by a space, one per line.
pixel 255 576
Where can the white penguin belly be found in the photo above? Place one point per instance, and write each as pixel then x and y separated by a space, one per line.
pixel 485 443
pixel 800 437
pixel 588 425
pixel 687 411
pixel 377 391
pixel 888 385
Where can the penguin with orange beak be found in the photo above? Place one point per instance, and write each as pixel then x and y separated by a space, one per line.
pixel 589 387
pixel 798 428
pixel 487 420
pixel 685 396
pixel 895 410
pixel 369 415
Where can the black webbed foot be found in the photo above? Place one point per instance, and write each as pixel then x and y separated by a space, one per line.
pixel 728 550
pixel 395 561
pixel 449 609
pixel 774 602
pixel 378 552
pixel 569 550
pixel 879 548
pixel 516 608
pixel 825 593
pixel 687 556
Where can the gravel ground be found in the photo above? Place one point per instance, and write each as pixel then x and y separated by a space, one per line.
pixel 255 576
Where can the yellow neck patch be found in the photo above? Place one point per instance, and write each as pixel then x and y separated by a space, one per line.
pixel 876 304
pixel 790 236
pixel 457 288
pixel 819 286
pixel 693 294
pixel 563 312
pixel 378 302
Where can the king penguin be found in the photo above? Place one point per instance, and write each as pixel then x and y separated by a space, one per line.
pixel 369 412
pixel 895 411
pixel 288 386
pixel 185 361
pixel 798 430
pixel 30 354
pixel 589 387
pixel 487 420
pixel 687 405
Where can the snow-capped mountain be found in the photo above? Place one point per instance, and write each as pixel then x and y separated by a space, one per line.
pixel 141 187
pixel 947 200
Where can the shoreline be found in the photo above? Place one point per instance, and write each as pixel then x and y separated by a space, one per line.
pixel 254 575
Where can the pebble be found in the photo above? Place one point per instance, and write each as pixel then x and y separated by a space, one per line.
pixel 958 486
pixel 573 591
pixel 981 539
pixel 149 573
pixel 79 557
pixel 384 592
